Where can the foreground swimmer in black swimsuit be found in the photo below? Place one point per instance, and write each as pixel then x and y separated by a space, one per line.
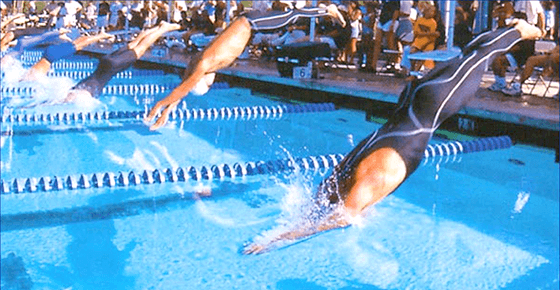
pixel 225 48
pixel 382 161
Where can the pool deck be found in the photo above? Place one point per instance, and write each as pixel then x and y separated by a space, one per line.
pixel 351 86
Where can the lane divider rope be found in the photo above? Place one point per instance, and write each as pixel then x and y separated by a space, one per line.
pixel 210 114
pixel 219 172
pixel 122 89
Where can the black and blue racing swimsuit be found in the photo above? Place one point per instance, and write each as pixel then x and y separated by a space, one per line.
pixel 271 20
pixel 424 104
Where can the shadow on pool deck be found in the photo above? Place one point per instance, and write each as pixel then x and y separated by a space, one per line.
pixel 488 113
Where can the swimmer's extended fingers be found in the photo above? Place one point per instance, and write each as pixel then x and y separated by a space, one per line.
pixel 153 112
pixel 254 249
pixel 162 120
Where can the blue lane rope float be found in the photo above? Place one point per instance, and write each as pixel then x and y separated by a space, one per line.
pixel 122 89
pixel 210 114
pixel 64 64
pixel 169 175
pixel 450 150
pixel 222 171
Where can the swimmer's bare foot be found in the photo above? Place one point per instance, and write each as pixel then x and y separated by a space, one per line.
pixel 106 37
pixel 333 11
pixel 526 30
pixel 169 26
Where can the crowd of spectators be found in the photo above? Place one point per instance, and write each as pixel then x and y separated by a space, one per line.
pixel 371 30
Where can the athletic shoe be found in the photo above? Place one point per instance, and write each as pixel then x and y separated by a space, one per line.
pixel 497 87
pixel 514 90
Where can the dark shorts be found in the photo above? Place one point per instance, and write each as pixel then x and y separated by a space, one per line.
pixel 522 51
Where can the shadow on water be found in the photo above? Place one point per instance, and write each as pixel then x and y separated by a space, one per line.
pixel 14 275
pixel 113 207
pixel 95 260
pixel 28 144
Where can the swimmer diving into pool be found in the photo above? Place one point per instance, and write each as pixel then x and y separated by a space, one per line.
pixel 225 48
pixel 386 158
pixel 119 60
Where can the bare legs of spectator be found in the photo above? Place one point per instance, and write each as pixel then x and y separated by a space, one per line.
pixel 548 61
pixel 499 67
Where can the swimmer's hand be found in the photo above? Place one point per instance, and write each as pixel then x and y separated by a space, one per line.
pixel 334 221
pixel 168 106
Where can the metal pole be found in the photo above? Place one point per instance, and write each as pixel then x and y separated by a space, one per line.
pixel 228 7
pixel 449 22
pixel 312 24
pixel 169 10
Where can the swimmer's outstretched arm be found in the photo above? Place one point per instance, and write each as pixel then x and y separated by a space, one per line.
pixel 220 53
pixel 376 176
pixel 335 221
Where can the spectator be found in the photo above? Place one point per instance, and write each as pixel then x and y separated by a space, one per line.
pixel 114 13
pixel 103 15
pixel 367 34
pixel 425 34
pixel 91 10
pixel 73 10
pixel 61 14
pixel 52 9
pixel 548 61
pixel 462 31
pixel 550 11
pixel 394 25
pixel 518 55
pixel 121 20
pixel 355 17
pixel 469 8
pixel 161 9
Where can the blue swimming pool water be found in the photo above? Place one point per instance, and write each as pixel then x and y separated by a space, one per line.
pixel 486 220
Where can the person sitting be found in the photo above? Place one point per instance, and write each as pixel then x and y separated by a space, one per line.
pixel 425 34
pixel 381 162
pixel 517 56
pixel 549 61
pixel 224 49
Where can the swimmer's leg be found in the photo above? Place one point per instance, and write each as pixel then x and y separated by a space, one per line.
pixel 145 40
pixel 6 39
